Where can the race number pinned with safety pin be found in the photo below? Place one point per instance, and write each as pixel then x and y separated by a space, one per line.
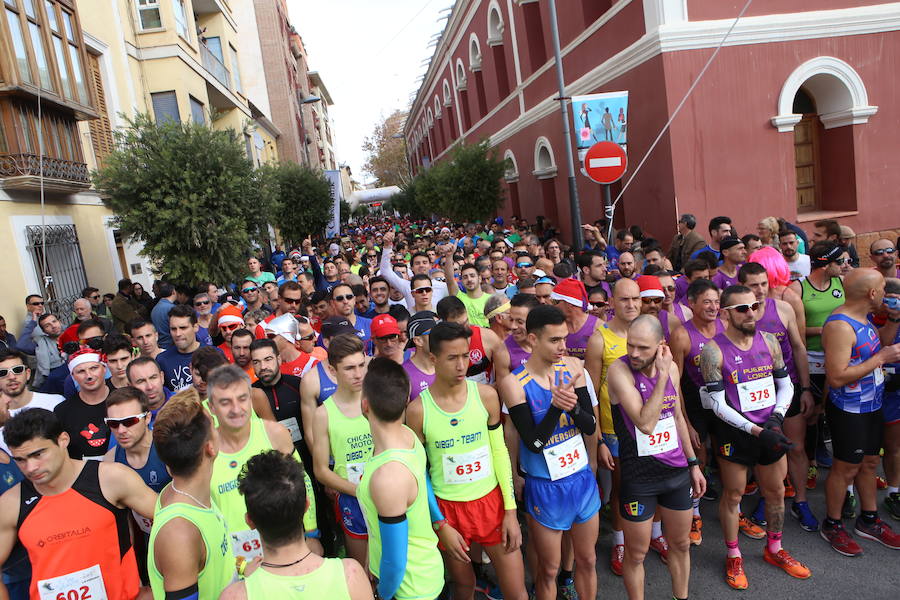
pixel 756 394
pixel 86 584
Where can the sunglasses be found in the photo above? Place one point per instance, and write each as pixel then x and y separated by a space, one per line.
pixel 653 300
pixel 743 308
pixel 422 290
pixel 881 251
pixel 669 288
pixel 97 297
pixel 87 341
pixel 35 303
pixel 201 303
pixel 524 265
pixel 248 290
pixel 344 298
pixel 230 327
pixel 842 261
pixel 124 421
pixel 17 370
pixel 599 304
pixel 306 338
pixel 292 300
pixel 389 338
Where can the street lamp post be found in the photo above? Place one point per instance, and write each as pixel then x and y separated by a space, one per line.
pixel 308 100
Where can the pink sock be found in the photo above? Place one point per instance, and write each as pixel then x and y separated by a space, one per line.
pixel 733 550
pixel 773 541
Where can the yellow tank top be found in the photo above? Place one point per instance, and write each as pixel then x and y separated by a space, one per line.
pixel 613 349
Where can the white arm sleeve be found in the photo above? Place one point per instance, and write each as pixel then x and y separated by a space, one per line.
pixel 784 394
pixel 719 405
pixel 386 270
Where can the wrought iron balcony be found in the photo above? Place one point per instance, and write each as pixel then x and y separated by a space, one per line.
pixel 23 171
pixel 212 64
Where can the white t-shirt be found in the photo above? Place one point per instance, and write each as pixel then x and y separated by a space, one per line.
pixel 800 267
pixel 38 400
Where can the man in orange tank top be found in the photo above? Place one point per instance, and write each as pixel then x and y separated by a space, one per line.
pixel 70 515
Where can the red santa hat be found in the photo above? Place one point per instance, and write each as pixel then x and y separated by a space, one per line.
pixel 650 286
pixel 571 291
pixel 229 314
pixel 85 355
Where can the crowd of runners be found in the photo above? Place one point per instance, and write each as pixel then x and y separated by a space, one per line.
pixel 390 412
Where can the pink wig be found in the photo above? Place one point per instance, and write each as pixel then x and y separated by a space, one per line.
pixel 776 267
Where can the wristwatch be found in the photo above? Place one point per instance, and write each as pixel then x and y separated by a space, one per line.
pixel 693 462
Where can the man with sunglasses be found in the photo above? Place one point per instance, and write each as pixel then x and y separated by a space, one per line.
pixel 228 320
pixel 420 266
pixel 252 296
pixel 15 395
pixel 884 256
pixel 422 293
pixel 524 266
pixel 652 295
pixel 342 302
pixel 386 338
pixel 747 386
pixel 98 306
pixel 203 307
pixel 34 308
pixel 285 332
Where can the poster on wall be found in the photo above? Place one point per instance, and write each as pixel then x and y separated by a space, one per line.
pixel 333 229
pixel 600 118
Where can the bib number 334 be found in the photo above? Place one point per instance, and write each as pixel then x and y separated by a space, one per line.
pixel 566 458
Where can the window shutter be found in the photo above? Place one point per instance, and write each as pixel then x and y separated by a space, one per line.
pixel 100 128
pixel 165 106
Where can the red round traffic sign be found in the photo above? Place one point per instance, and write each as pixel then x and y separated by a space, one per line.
pixel 605 162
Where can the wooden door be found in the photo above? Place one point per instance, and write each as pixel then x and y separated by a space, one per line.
pixel 806 162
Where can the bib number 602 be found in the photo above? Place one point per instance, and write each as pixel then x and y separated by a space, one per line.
pixel 82 593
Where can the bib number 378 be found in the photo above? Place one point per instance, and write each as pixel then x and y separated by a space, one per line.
pixel 86 584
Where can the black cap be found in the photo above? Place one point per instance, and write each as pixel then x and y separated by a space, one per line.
pixel 336 326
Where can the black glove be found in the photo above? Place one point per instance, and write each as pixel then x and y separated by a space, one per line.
pixel 775 421
pixel 774 439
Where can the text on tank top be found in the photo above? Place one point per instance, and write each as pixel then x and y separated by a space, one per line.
pixel 327 386
pixel 518 356
pixel 479 366
pixel 749 384
pixel 818 304
pixel 577 342
pixel 350 440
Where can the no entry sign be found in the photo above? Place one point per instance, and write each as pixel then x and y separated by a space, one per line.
pixel 605 162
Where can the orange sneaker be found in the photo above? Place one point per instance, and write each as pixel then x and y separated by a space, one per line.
pixel 880 482
pixel 751 488
pixel 616 558
pixel 750 529
pixel 787 563
pixel 734 573
pixel 789 491
pixel 696 534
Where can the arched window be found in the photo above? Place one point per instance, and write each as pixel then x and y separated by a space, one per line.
pixel 474 54
pixel 495 25
pixel 448 99
pixel 511 176
pixel 437 107
pixel 430 118
pixel 544 163
pixel 512 168
pixel 460 75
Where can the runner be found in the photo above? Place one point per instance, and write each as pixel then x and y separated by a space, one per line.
pixel 342 302
pixel 15 395
pixel 118 351
pixel 144 374
pixel 570 297
pixel 190 555
pixel 891 405
pixel 472 295
pixel 748 388
pixel 486 351
pixel 70 515
pixel 175 362
pixel 386 338
pixel 551 409
pixel 240 350
pixel 496 311
pixel 458 422
pixel 279 392
pixel 242 435
pixel 658 464
pixel 419 367
pixel 673 314
pixel 395 495
pixel 274 492
pixel 602 352
pixel 733 254
pixel 854 358
pixel 144 336
pixel 285 333
pixel 517 341
pixel 82 415
pixel 342 435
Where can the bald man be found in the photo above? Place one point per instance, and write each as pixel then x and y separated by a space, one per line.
pixel 627 265
pixel 884 256
pixel 853 369
pixel 659 467
pixel 602 351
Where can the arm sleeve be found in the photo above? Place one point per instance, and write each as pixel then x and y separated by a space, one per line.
pixel 502 465
pixel 583 413
pixel 534 436
pixel 394 280
pixel 433 508
pixel 784 393
pixel 26 343
pixel 394 538
pixel 713 394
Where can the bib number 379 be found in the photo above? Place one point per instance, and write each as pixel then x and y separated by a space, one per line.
pixel 86 584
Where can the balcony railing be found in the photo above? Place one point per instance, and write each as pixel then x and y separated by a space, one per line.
pixel 29 165
pixel 212 64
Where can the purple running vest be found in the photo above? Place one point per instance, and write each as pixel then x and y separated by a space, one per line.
pixel 771 323
pixel 418 380
pixel 645 385
pixel 664 317
pixel 692 360
pixel 576 343
pixel 740 366
pixel 723 281
pixel 681 287
pixel 517 355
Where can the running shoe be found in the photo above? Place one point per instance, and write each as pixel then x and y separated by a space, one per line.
pixel 567 590
pixel 661 546
pixel 802 513
pixel 696 534
pixel 880 482
pixel 789 491
pixel 759 515
pixel 734 573
pixel 787 563
pixel 878 531
pixel 615 560
pixel 841 541
pixel 823 459
pixel 749 529
pixel 711 495
pixel 490 589
pixel 751 488
pixel 848 510
pixel 812 474
pixel 891 502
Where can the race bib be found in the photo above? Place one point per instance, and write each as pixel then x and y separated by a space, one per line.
pixel 757 394
pixel 143 523
pixel 86 584
pixel 879 376
pixel 816 363
pixel 294 427
pixel 479 378
pixel 246 544
pixel 467 467
pixel 663 439
pixel 355 472
pixel 566 458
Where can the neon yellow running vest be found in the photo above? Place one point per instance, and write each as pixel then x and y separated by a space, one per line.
pixel 424 577
pixel 219 569
pixel 458 449
pixel 350 441
pixel 326 581
pixel 613 349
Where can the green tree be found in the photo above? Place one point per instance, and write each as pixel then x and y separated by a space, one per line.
pixel 188 193
pixel 345 211
pixel 386 151
pixel 301 199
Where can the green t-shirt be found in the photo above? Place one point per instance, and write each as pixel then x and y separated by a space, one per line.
pixel 475 308
pixel 262 278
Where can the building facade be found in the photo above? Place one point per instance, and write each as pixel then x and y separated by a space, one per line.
pixel 795 118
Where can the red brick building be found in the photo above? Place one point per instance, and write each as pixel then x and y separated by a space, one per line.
pixel 797 117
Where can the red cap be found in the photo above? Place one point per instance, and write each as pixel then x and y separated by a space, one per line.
pixel 650 286
pixel 384 325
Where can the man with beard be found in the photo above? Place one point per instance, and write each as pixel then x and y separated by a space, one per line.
pixel 627 265
pixel 15 395
pixel 342 302
pixel 797 262
pixel 379 292
pixel 884 256
pixel 240 351
pixel 176 361
pixel 144 374
pixel 285 332
pixel 51 367
pixel 145 337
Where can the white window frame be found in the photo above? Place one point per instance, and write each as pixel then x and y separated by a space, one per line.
pixel 142 5
pixel 181 25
